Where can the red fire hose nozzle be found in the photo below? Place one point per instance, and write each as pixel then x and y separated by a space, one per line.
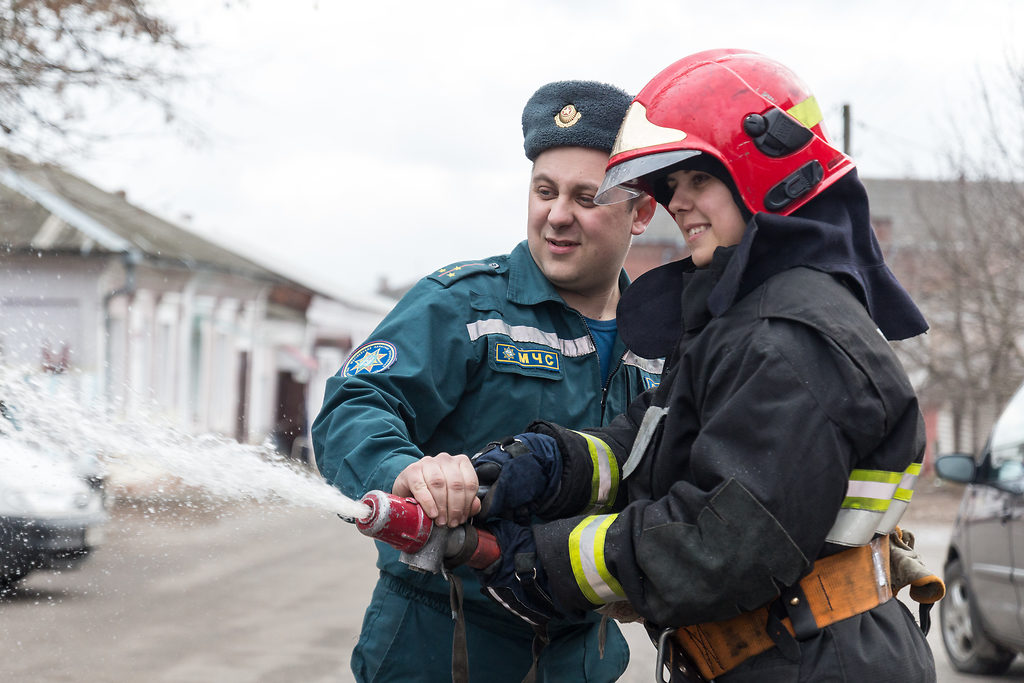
pixel 426 547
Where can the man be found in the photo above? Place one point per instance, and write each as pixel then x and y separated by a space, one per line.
pixel 482 348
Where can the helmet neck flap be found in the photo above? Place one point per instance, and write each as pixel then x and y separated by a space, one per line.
pixel 832 234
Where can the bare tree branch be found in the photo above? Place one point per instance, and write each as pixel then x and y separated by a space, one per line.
pixel 969 280
pixel 53 53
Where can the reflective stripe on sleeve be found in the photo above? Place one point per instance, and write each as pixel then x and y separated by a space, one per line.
pixel 900 500
pixel 907 483
pixel 586 555
pixel 604 485
pixel 655 366
pixel 891 517
pixel 874 503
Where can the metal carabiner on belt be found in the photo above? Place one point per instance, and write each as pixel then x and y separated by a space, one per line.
pixel 671 660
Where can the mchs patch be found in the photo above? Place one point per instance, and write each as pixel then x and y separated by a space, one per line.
pixel 526 358
pixel 371 357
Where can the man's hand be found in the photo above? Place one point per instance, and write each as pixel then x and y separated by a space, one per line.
pixel 444 485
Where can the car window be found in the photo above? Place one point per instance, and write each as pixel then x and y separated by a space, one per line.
pixel 1007 444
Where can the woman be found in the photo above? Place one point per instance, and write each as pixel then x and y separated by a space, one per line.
pixel 748 499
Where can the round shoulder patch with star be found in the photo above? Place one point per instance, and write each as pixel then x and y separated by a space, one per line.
pixel 371 357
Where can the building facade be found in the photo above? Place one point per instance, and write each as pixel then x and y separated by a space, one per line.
pixel 146 316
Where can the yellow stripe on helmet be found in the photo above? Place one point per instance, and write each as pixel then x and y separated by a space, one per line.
pixel 807 112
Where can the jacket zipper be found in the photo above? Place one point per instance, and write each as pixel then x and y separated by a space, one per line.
pixel 611 373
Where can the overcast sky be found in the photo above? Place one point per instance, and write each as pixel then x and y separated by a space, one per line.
pixel 350 141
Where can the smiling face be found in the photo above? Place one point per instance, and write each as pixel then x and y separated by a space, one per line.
pixel 703 208
pixel 579 246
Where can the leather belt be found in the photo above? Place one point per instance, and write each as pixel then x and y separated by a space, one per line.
pixel 838 587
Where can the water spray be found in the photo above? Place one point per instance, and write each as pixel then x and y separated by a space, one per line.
pixel 52 415
pixel 426 547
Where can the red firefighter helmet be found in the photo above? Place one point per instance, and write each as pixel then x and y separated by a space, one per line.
pixel 752 114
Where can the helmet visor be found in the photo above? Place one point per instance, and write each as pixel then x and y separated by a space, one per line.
pixel 626 180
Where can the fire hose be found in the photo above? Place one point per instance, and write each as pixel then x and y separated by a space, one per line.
pixel 426 547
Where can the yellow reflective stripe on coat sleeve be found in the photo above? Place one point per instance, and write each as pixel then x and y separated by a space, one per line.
pixel 586 555
pixel 906 488
pixel 900 500
pixel 871 489
pixel 604 485
pixel 875 500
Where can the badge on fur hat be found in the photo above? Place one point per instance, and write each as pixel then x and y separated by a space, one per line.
pixel 567 116
pixel 605 106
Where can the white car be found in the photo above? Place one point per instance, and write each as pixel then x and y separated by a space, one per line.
pixel 50 516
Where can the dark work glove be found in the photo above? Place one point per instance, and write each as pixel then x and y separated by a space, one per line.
pixel 522 473
pixel 517 581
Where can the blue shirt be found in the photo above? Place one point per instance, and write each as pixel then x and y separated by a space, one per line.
pixel 604 332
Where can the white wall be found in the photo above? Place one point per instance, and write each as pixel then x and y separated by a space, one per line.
pixel 48 302
pixel 335 320
pixel 175 341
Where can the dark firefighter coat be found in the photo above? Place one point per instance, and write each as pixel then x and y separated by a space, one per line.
pixel 784 430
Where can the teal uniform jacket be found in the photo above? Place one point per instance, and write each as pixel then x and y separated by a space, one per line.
pixel 473 352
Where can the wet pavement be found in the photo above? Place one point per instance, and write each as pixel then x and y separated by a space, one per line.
pixel 178 594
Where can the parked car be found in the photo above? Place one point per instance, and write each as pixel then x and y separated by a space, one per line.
pixel 85 463
pixel 982 615
pixel 51 517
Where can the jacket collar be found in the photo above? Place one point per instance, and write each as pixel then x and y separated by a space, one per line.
pixel 527 284
pixel 667 301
